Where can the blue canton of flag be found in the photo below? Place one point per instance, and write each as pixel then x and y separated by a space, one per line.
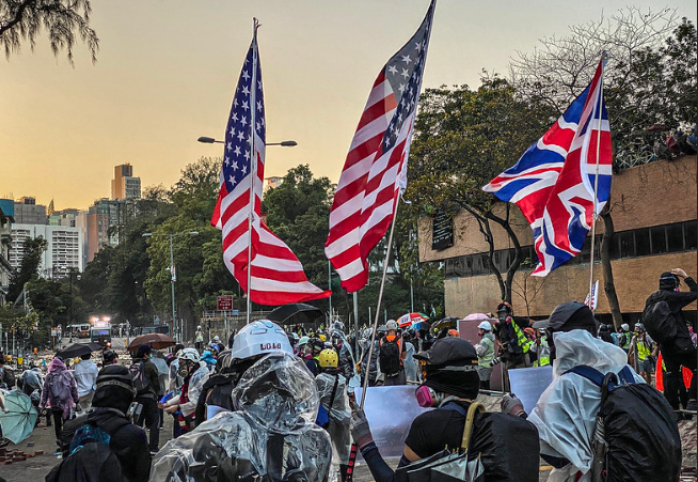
pixel 238 154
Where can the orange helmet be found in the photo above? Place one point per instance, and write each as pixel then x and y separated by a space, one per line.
pixel 453 333
pixel 530 332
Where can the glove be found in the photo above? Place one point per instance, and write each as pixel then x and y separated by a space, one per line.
pixel 511 404
pixel 360 431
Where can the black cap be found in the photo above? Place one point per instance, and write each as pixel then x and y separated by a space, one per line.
pixel 569 316
pixel 449 351
pixel 668 281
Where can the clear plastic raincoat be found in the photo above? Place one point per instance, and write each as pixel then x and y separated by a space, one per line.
pixel 271 436
pixel 565 414
pixel 340 413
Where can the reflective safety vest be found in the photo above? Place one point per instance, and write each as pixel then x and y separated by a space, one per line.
pixel 485 361
pixel 543 354
pixel 521 339
pixel 643 350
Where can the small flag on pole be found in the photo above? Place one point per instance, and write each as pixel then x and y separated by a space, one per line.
pixel 592 299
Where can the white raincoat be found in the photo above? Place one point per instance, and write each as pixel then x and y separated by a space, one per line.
pixel 566 411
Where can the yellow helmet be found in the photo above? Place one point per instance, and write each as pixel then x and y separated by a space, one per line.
pixel 328 358
pixel 322 337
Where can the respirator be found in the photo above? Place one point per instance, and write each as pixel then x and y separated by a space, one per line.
pixel 427 397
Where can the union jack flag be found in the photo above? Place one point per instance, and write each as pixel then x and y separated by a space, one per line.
pixel 554 181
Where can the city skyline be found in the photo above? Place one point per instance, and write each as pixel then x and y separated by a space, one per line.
pixel 154 91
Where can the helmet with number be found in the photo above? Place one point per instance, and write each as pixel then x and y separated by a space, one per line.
pixel 260 338
pixel 391 325
pixel 485 325
pixel 328 358
pixel 109 357
pixel 189 354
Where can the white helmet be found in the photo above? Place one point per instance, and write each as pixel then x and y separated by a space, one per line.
pixel 391 325
pixel 485 325
pixel 198 327
pixel 259 338
pixel 625 327
pixel 303 340
pixel 189 354
pixel 216 339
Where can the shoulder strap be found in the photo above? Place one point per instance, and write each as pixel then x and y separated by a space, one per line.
pixel 591 374
pixel 469 419
pixel 625 376
pixel 454 406
pixel 334 390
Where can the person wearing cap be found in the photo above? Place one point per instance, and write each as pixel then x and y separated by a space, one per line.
pixel 485 353
pixel 113 395
pixel 679 350
pixel 565 414
pixel 451 385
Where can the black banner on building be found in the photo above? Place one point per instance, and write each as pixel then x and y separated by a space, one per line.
pixel 442 232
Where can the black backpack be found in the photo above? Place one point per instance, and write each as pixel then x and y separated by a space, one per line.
pixel 138 378
pixel 641 436
pixel 389 358
pixel 667 328
pixel 90 457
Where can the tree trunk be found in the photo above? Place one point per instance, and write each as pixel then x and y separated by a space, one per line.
pixel 609 285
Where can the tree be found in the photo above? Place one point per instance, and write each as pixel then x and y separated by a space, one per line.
pixel 28 268
pixel 196 192
pixel 651 78
pixel 64 21
pixel 463 139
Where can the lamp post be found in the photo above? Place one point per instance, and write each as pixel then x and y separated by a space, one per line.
pixel 72 321
pixel 173 274
pixel 211 140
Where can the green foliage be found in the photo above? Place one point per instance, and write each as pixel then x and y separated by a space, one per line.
pixel 29 268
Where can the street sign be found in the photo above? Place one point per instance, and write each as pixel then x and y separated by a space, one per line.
pixel 54 332
pixel 236 312
pixel 225 303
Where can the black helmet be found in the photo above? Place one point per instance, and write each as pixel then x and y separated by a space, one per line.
pixel 109 356
pixel 115 375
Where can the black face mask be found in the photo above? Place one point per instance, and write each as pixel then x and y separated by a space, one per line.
pixel 502 317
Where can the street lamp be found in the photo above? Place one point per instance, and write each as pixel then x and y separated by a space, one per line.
pixel 211 140
pixel 173 272
pixel 72 321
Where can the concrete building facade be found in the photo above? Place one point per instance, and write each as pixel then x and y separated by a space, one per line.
pixel 125 185
pixel 28 212
pixel 102 215
pixel 62 254
pixel 654 213
pixel 6 220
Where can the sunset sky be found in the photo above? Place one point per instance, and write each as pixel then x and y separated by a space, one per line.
pixel 167 69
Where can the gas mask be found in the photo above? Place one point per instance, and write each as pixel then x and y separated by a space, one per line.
pixel 184 370
pixel 426 397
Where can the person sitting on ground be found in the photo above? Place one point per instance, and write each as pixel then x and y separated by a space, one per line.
pixel 271 435
pixel 110 405
pixel 507 445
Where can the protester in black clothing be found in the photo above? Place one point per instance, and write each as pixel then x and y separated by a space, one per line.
pixel 452 384
pixel 217 389
pixel 111 402
pixel 148 395
pixel 679 350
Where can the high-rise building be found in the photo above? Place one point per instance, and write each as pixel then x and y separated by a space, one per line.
pixel 102 215
pixel 62 254
pixel 7 207
pixel 124 185
pixel 66 217
pixel 28 212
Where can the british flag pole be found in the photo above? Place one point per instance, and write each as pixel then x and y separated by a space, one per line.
pixel 253 172
pixel 599 105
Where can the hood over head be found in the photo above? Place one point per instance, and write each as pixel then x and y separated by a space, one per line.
pixel 278 393
pixel 56 365
pixel 579 347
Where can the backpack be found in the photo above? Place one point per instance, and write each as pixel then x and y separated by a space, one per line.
pixel 90 458
pixel 660 322
pixel 389 357
pixel 636 427
pixel 59 389
pixel 138 378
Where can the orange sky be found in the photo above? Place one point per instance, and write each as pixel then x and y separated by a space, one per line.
pixel 167 70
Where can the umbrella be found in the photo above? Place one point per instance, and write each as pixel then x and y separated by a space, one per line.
pixel 19 422
pixel 295 313
pixel 410 319
pixel 450 322
pixel 155 340
pixel 477 317
pixel 79 349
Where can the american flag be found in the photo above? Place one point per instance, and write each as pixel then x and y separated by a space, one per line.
pixel 553 182
pixel 375 170
pixel 277 275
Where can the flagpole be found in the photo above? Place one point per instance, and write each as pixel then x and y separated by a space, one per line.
pixel 596 179
pixel 253 172
pixel 378 308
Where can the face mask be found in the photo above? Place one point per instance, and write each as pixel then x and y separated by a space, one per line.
pixel 183 370
pixel 426 397
pixel 479 333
